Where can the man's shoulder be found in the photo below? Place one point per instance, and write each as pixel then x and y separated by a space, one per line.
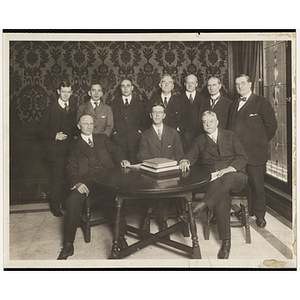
pixel 225 100
pixel 226 133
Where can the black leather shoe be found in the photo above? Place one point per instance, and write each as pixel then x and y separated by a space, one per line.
pixel 66 251
pixel 122 242
pixel 225 250
pixel 56 213
pixel 261 222
pixel 196 212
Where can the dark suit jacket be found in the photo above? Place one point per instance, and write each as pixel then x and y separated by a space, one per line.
pixel 231 152
pixel 222 109
pixel 53 120
pixel 78 156
pixel 125 133
pixel 103 117
pixel 255 125
pixel 176 112
pixel 168 147
pixel 194 123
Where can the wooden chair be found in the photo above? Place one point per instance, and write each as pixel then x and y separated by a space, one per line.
pixel 241 200
pixel 85 217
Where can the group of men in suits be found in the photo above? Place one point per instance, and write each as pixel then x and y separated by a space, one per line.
pixel 168 126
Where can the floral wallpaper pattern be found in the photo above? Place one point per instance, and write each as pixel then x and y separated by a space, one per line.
pixel 37 67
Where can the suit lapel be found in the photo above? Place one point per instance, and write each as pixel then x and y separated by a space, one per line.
pixel 82 146
pixel 208 146
pixel 90 109
pixel 153 136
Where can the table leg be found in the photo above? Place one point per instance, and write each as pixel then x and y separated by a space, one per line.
pixel 116 238
pixel 196 248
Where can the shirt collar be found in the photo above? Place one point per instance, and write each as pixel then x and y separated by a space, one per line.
pixel 247 96
pixel 214 134
pixel 158 127
pixel 93 102
pixel 128 97
pixel 164 96
pixel 86 137
pixel 215 96
pixel 188 94
pixel 62 103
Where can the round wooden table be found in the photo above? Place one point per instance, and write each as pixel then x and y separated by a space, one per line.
pixel 140 185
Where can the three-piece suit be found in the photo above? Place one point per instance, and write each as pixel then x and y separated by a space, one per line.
pixel 128 125
pixel 221 108
pixel 255 125
pixel 228 151
pixel 194 123
pixel 56 119
pixel 84 162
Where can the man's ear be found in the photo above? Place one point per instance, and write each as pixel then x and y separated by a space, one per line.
pixel 78 126
pixel 151 115
pixel 89 93
pixel 164 115
pixel 58 91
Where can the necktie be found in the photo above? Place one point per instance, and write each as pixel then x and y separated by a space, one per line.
pixel 191 98
pixel 96 105
pixel 90 142
pixel 165 102
pixel 214 101
pixel 159 133
pixel 126 102
pixel 66 107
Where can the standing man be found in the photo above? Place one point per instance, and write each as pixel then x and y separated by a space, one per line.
pixel 101 112
pixel 175 108
pixel 88 154
pixel 57 128
pixel 222 154
pixel 193 100
pixel 253 119
pixel 129 117
pixel 159 141
pixel 217 102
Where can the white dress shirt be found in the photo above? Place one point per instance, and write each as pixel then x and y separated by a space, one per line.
pixel 214 97
pixel 166 96
pixel 242 103
pixel 62 103
pixel 93 103
pixel 158 127
pixel 128 98
pixel 188 94
pixel 214 135
pixel 87 137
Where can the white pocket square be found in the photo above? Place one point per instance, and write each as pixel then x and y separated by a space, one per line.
pixel 103 117
pixel 169 146
pixel 252 115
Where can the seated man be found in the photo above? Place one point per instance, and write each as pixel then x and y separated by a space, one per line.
pixel 88 154
pixel 223 155
pixel 159 141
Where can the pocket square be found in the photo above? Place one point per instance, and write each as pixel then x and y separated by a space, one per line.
pixel 169 146
pixel 252 115
pixel 103 117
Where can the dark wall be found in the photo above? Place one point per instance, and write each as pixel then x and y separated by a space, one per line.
pixel 37 67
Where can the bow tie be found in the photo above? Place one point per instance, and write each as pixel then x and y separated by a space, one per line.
pixel 243 99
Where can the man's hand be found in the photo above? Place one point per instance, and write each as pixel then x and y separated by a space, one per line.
pixel 226 170
pixel 82 188
pixel 125 163
pixel 184 165
pixel 60 136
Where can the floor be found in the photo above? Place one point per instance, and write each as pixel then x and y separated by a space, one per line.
pixel 35 240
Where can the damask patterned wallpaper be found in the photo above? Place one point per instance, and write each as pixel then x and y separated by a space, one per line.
pixel 37 67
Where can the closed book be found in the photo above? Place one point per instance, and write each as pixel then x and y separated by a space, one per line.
pixel 159 170
pixel 159 162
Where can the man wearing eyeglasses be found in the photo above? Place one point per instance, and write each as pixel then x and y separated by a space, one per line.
pixel 253 119
pixel 159 140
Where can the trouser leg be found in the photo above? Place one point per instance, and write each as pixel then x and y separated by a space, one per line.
pixel 256 183
pixel 222 214
pixel 73 205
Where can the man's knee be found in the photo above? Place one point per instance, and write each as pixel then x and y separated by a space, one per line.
pixel 75 199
